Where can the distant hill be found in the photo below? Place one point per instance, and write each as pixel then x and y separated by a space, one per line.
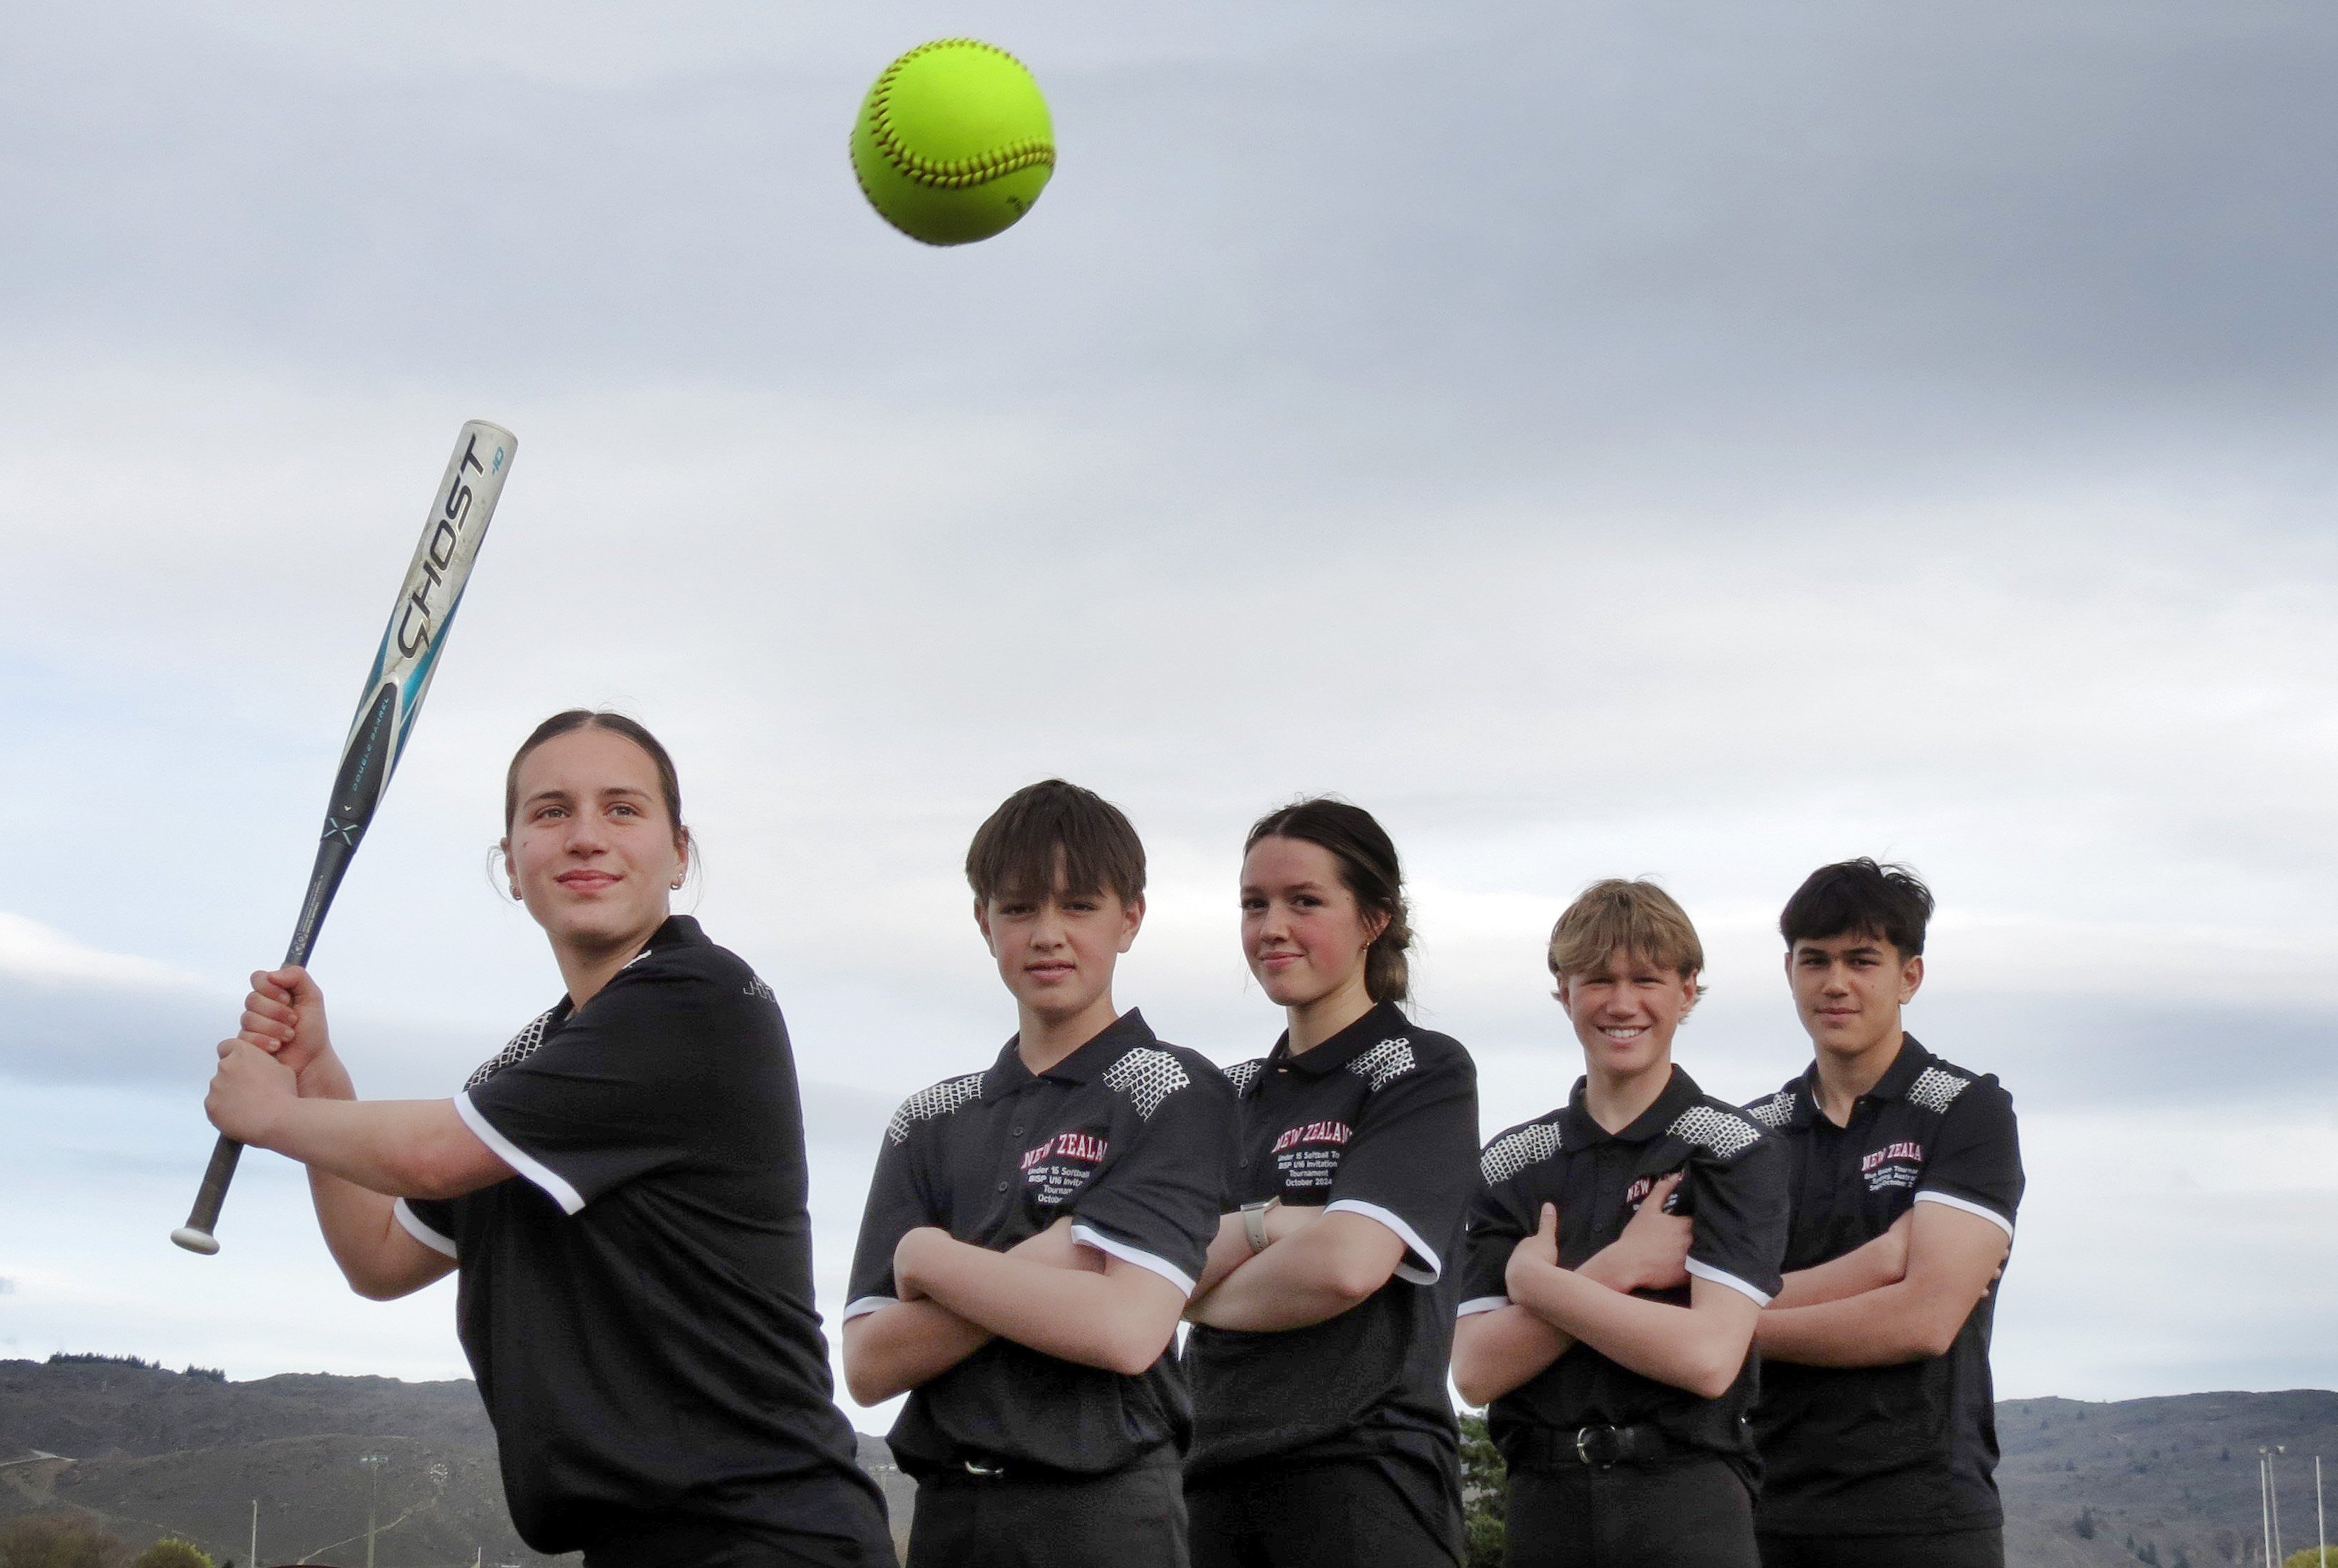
pixel 2178 1476
pixel 149 1451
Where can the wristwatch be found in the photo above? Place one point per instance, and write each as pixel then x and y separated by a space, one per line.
pixel 1254 1223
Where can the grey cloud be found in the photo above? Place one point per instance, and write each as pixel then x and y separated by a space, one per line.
pixel 1838 229
pixel 84 1034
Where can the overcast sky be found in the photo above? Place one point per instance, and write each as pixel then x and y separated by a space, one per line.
pixel 1700 440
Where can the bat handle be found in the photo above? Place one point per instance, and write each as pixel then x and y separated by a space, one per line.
pixel 195 1235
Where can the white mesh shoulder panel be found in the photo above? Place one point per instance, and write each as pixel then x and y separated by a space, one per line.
pixel 928 1104
pixel 1148 1077
pixel 1385 1063
pixel 1243 1075
pixel 523 1046
pixel 1512 1153
pixel 1936 1090
pixel 1776 1112
pixel 1725 1132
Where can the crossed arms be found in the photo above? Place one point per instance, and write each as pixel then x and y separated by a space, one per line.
pixel 1901 1297
pixel 1049 1293
pixel 1066 1299
pixel 1700 1346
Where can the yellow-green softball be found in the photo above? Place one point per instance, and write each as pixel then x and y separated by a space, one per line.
pixel 953 142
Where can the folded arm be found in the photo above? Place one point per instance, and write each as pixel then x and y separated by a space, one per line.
pixel 1314 1273
pixel 1883 1261
pixel 1119 1317
pixel 1231 1248
pixel 1504 1348
pixel 1952 1257
pixel 905 1344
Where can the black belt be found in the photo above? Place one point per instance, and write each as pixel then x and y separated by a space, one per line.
pixel 978 1468
pixel 1601 1447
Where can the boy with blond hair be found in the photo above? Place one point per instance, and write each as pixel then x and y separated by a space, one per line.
pixel 1620 1250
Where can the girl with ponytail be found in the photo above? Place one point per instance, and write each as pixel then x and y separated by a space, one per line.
pixel 1324 1434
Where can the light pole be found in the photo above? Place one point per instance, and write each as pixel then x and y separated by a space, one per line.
pixel 2272 1505
pixel 2320 1525
pixel 2264 1510
pixel 253 1560
pixel 373 1463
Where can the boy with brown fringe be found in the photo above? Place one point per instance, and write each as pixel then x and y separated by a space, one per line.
pixel 1035 1229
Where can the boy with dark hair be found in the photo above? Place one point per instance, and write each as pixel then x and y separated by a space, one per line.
pixel 1620 1251
pixel 1035 1229
pixel 1876 1422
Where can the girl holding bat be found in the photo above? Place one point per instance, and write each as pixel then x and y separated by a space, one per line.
pixel 622 1189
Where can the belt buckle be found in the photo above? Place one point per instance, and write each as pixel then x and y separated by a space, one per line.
pixel 987 1472
pixel 1588 1438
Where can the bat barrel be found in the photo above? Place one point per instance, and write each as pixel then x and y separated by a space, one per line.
pixel 195 1235
pixel 460 511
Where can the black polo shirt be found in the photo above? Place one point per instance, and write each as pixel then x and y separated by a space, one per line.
pixel 637 1302
pixel 1733 1190
pixel 1130 1136
pixel 1887 1450
pixel 1379 1119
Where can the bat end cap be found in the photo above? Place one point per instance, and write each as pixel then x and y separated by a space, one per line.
pixel 195 1240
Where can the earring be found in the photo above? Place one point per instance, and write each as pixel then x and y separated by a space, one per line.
pixel 676 884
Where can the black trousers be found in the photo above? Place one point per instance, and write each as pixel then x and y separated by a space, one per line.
pixel 1331 1513
pixel 1697 1513
pixel 1982 1548
pixel 690 1545
pixel 1135 1518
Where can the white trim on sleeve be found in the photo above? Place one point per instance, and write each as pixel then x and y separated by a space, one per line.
pixel 1928 1196
pixel 1089 1236
pixel 421 1232
pixel 1481 1303
pixel 865 1306
pixel 1707 1271
pixel 555 1187
pixel 1405 1233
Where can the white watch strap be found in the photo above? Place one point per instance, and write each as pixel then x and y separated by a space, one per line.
pixel 1254 1224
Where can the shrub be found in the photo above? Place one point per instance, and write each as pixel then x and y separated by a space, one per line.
pixel 173 1553
pixel 1485 1491
pixel 2084 1524
pixel 57 1541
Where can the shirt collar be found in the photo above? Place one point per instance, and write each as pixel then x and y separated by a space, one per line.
pixel 1680 1092
pixel 1007 1075
pixel 679 931
pixel 1384 1021
pixel 1912 1061
pixel 1894 1085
